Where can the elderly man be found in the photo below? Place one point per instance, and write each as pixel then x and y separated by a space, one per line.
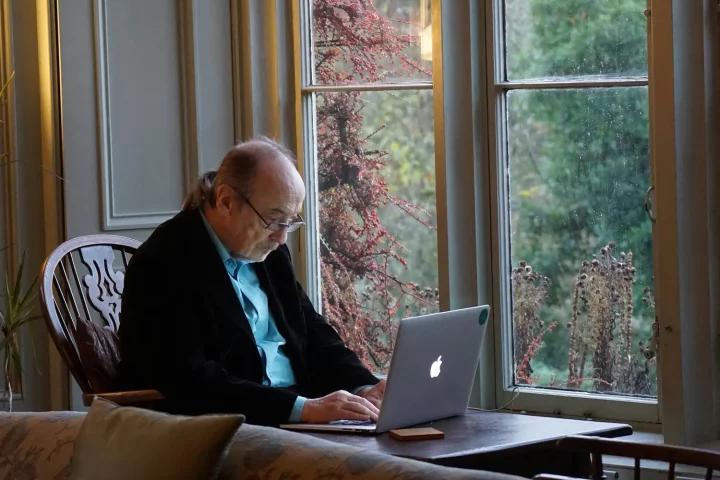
pixel 213 316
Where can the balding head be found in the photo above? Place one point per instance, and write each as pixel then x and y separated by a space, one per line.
pixel 256 184
pixel 239 168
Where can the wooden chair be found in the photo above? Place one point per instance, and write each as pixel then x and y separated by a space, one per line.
pixel 596 447
pixel 89 290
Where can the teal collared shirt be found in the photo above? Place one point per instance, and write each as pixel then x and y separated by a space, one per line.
pixel 278 370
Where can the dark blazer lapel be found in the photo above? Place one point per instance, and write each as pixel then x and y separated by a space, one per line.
pixel 213 277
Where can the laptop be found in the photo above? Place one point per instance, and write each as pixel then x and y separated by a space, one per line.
pixel 431 372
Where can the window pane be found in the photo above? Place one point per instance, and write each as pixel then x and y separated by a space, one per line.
pixel 570 38
pixel 581 241
pixel 376 178
pixel 372 41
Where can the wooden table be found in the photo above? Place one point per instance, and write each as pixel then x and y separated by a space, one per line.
pixel 511 443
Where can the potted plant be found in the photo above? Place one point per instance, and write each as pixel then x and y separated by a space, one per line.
pixel 17 309
pixel 17 312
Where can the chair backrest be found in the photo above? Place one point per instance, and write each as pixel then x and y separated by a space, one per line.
pixel 673 455
pixel 89 289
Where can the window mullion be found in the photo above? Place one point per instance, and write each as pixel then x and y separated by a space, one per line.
pixel 462 172
pixel 311 240
pixel 603 83
pixel 369 87
pixel 498 208
pixel 308 256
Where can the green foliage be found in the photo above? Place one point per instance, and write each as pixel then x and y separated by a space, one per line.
pixel 578 159
pixel 570 38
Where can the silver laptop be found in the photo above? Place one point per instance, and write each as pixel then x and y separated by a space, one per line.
pixel 431 372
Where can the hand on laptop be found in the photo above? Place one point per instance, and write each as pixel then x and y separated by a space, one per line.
pixel 374 394
pixel 339 405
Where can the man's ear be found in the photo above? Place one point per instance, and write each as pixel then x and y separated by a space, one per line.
pixel 224 199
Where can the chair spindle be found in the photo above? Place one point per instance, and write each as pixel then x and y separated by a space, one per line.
pixel 79 286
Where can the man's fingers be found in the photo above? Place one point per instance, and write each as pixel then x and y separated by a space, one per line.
pixel 355 407
pixel 365 404
pixel 370 405
pixel 353 415
pixel 364 407
pixel 362 401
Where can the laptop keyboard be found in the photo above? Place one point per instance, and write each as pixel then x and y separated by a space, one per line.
pixel 352 422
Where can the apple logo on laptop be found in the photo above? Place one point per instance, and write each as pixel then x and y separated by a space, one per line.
pixel 435 367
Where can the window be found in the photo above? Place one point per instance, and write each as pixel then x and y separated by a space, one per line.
pixel 368 108
pixel 568 142
pixel 571 119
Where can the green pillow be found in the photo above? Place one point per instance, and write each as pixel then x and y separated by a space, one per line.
pixel 117 442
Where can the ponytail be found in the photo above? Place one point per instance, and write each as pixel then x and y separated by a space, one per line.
pixel 202 191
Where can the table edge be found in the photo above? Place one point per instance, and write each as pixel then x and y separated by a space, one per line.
pixel 621 430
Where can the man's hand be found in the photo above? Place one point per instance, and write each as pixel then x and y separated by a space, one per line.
pixel 374 394
pixel 339 405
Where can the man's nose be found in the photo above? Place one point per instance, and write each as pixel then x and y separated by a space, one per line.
pixel 279 237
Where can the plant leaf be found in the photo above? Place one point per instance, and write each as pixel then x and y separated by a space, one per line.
pixel 13 318
pixel 30 295
pixel 27 320
pixel 9 294
pixel 7 84
pixel 17 318
pixel 24 316
pixel 18 281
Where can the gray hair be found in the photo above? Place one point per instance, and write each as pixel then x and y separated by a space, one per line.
pixel 238 170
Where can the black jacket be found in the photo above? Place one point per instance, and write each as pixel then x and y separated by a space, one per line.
pixel 184 332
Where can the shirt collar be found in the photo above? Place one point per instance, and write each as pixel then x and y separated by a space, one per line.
pixel 225 256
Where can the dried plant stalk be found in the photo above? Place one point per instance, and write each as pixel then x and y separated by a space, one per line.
pixel 602 321
pixel 530 292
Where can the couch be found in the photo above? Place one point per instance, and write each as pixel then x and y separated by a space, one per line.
pixel 39 445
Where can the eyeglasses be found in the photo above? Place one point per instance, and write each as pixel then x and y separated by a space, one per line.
pixel 275 226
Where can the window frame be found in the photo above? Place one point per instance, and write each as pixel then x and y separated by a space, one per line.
pixel 565 403
pixel 477 267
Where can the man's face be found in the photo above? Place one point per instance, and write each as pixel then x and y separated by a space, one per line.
pixel 278 194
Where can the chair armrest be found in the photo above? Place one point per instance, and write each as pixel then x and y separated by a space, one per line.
pixel 125 398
